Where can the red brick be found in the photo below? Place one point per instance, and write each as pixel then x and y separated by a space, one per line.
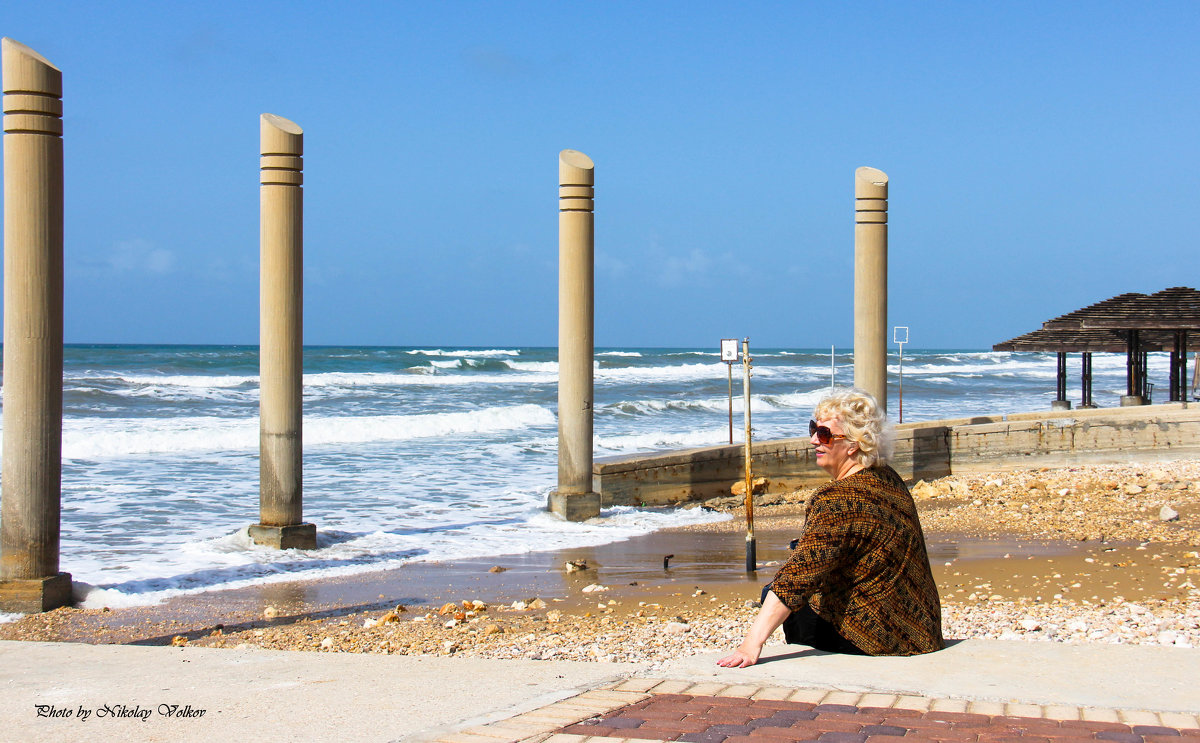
pixel 950 736
pixel 597 730
pixel 860 718
pixel 654 714
pixel 963 719
pixel 1014 738
pixel 918 723
pixel 891 711
pixel 725 717
pixel 1144 730
pixel 781 735
pixel 818 726
pixel 1094 726
pixel 638 733
pixel 682 726
pixel 778 704
pixel 671 697
pixel 1159 739
pixel 727 701
pixel 1044 728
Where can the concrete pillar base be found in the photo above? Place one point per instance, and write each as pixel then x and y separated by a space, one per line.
pixel 292 537
pixel 1089 406
pixel 1060 405
pixel 1129 400
pixel 33 596
pixel 574 506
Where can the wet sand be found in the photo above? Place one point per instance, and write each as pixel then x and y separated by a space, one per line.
pixel 1009 551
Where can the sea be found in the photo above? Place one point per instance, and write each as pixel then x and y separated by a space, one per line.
pixel 430 454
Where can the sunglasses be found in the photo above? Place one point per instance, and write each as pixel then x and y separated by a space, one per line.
pixel 824 435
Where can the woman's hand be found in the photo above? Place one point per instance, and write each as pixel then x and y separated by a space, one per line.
pixel 771 615
pixel 745 655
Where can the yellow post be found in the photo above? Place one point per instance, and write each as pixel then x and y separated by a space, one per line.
pixel 33 334
pixel 751 557
pixel 870 282
pixel 281 296
pixel 574 499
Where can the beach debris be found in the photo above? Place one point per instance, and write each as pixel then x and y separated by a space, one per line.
pixel 1166 513
pixel 270 612
pixel 448 608
pixel 677 628
pixel 390 618
pixel 496 569
pixel 492 629
pixel 573 566
pixel 247 646
pixel 400 608
pixel 1132 489
pixel 449 647
pixel 554 615
pixel 699 592
pixel 179 641
pixel 922 489
pixel 327 643
pixel 667 561
pixel 535 604
pixel 519 606
pixel 475 605
pixel 739 487
pixel 594 587
pixel 1029 624
pixel 451 624
pixel 369 623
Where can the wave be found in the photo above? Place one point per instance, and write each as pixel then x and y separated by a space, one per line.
pixel 464 353
pixel 758 404
pixel 98 438
pixel 233 561
pixel 632 354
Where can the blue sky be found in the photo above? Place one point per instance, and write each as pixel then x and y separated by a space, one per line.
pixel 1042 156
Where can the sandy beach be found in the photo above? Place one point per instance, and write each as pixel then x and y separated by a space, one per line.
pixel 1099 553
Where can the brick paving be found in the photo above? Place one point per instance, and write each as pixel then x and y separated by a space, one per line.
pixel 736 719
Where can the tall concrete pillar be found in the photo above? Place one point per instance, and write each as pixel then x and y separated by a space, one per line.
pixel 33 333
pixel 574 499
pixel 281 294
pixel 870 282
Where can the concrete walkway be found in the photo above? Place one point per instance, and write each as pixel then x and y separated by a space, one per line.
pixel 133 693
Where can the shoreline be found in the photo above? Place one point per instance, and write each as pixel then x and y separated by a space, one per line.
pixel 1014 556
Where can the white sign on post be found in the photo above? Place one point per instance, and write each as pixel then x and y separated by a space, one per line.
pixel 729 350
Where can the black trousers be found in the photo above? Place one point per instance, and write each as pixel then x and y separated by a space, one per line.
pixel 806 627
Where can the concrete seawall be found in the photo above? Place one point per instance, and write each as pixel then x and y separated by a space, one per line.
pixel 923 451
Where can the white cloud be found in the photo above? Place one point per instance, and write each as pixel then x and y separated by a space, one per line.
pixel 139 256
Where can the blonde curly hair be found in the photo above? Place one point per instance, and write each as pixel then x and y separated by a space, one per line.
pixel 863 422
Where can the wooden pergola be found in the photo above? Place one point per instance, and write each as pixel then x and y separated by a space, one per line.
pixel 1133 323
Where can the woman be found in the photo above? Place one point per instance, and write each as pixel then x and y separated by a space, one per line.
pixel 858 581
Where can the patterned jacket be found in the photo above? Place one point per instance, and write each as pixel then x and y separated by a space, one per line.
pixel 861 565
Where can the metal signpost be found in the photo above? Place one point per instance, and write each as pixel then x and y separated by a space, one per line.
pixel 900 337
pixel 751 557
pixel 729 354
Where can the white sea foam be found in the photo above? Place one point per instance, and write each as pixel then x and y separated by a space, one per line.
pixel 9 617
pixel 97 438
pixel 233 561
pixel 464 352
pixel 631 354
